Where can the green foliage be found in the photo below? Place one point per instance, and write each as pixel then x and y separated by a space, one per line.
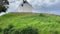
pixel 10 26
pixel 9 29
pixel 2 5
pixel 2 8
pixel 29 30
pixel 6 31
pixel 53 32
pixel 41 15
pixel 43 23
pixel 16 32
pixel 0 30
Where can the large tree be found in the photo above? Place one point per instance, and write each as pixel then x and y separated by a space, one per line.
pixel 3 5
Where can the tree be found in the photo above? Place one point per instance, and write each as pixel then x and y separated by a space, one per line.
pixel 3 4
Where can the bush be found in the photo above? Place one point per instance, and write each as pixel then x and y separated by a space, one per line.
pixel 10 26
pixel 58 21
pixel 41 15
pixel 6 31
pixel 17 32
pixel 0 30
pixel 53 32
pixel 29 30
pixel 9 29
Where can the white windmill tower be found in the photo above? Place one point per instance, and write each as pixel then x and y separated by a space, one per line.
pixel 25 7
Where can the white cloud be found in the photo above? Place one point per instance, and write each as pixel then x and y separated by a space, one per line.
pixel 51 2
pixel 41 2
pixel 46 6
pixel 14 5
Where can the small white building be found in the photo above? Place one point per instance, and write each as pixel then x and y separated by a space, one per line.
pixel 25 8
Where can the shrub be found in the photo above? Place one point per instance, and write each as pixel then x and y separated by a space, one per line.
pixel 41 15
pixel 6 31
pixel 53 32
pixel 0 30
pixel 29 30
pixel 9 29
pixel 17 32
pixel 10 26
pixel 58 21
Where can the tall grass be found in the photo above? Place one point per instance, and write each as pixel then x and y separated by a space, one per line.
pixel 19 23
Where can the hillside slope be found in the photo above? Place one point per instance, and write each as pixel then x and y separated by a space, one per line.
pixel 46 24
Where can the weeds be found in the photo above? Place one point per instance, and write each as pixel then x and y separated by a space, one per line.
pixel 29 30
pixel 0 30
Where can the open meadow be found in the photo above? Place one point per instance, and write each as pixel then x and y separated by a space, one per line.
pixel 22 23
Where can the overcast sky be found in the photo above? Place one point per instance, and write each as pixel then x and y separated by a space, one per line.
pixel 38 5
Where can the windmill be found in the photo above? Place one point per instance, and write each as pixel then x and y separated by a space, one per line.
pixel 25 7
pixel 24 1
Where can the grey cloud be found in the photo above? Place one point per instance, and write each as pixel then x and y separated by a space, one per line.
pixel 46 7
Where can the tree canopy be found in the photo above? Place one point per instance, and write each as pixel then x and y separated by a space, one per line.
pixel 2 5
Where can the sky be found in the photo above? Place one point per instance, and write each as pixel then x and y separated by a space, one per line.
pixel 44 6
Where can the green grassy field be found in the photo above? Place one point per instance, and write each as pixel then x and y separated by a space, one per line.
pixel 46 24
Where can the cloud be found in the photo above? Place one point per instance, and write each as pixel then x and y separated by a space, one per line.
pixel 14 4
pixel 45 5
pixel 41 2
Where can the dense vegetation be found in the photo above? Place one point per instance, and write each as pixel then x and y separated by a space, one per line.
pixel 2 9
pixel 29 24
pixel 2 5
